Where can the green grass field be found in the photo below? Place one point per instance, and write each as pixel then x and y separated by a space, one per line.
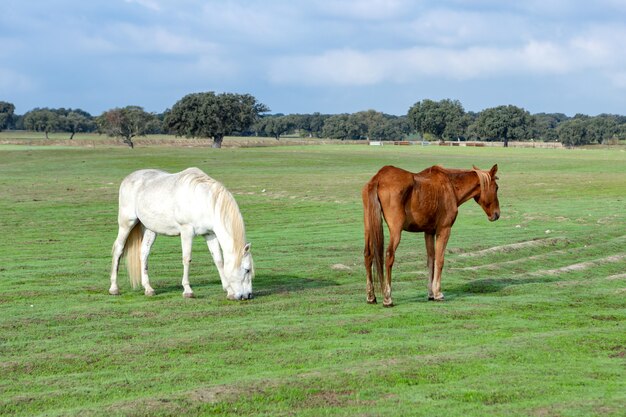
pixel 534 322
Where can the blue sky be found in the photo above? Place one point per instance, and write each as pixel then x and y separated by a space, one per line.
pixel 316 55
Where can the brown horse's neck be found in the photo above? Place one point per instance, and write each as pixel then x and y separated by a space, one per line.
pixel 466 185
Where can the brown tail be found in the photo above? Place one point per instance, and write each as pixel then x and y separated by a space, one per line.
pixel 132 253
pixel 374 236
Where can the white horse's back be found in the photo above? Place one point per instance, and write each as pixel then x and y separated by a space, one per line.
pixel 188 203
pixel 167 203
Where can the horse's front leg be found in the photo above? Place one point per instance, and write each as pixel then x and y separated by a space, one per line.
pixel 440 250
pixel 430 253
pixel 218 258
pixel 146 245
pixel 186 238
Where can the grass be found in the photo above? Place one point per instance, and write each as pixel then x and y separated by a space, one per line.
pixel 21 138
pixel 533 322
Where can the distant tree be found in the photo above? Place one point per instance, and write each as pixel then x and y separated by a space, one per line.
pixel 155 126
pixel 585 130
pixel 275 126
pixel 6 115
pixel 125 123
pixel 444 119
pixel 58 120
pixel 76 121
pixel 210 115
pixel 546 124
pixel 602 128
pixel 573 132
pixel 346 126
pixel 504 122
pixel 310 124
pixel 336 127
pixel 392 128
pixel 368 122
pixel 42 120
pixel 456 127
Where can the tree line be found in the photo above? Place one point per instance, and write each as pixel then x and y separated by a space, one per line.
pixel 215 116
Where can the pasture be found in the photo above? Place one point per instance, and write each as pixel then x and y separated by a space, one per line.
pixel 534 322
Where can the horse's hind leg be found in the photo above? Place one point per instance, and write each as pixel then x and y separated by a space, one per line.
pixel 368 257
pixel 148 239
pixel 118 249
pixel 394 241
pixel 186 238
pixel 368 251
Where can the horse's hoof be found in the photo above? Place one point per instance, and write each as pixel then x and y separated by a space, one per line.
pixel 438 298
pixel 149 293
pixel 114 292
pixel 373 301
pixel 188 295
pixel 387 305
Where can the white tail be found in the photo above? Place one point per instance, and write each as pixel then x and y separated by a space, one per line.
pixel 132 253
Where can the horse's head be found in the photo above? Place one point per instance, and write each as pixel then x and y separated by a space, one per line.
pixel 239 277
pixel 488 197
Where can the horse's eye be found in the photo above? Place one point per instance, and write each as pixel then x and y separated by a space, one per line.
pixel 247 270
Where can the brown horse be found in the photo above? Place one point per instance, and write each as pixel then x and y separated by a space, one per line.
pixel 424 202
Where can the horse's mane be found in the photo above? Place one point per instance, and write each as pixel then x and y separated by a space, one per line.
pixel 484 179
pixel 225 204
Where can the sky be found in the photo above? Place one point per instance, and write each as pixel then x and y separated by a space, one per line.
pixel 306 56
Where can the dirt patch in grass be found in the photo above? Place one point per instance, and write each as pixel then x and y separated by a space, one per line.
pixel 215 394
pixel 514 247
pixel 580 266
pixel 340 267
pixel 329 399
pixel 143 407
pixel 615 277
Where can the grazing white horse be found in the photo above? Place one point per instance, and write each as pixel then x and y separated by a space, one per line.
pixel 188 203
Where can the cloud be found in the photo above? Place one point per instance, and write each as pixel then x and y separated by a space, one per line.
pixel 161 40
pixel 447 27
pixel 124 38
pixel 358 68
pixel 592 49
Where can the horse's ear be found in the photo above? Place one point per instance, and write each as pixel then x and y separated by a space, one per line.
pixel 246 248
pixel 493 171
pixel 475 168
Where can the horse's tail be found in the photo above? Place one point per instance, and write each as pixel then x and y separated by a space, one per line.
pixel 374 236
pixel 132 253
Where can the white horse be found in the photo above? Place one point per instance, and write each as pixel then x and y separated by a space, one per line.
pixel 189 203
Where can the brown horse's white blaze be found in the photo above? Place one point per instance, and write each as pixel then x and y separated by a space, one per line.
pixel 427 202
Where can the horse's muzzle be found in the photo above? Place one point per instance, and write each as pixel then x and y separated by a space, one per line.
pixel 240 297
pixel 495 216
